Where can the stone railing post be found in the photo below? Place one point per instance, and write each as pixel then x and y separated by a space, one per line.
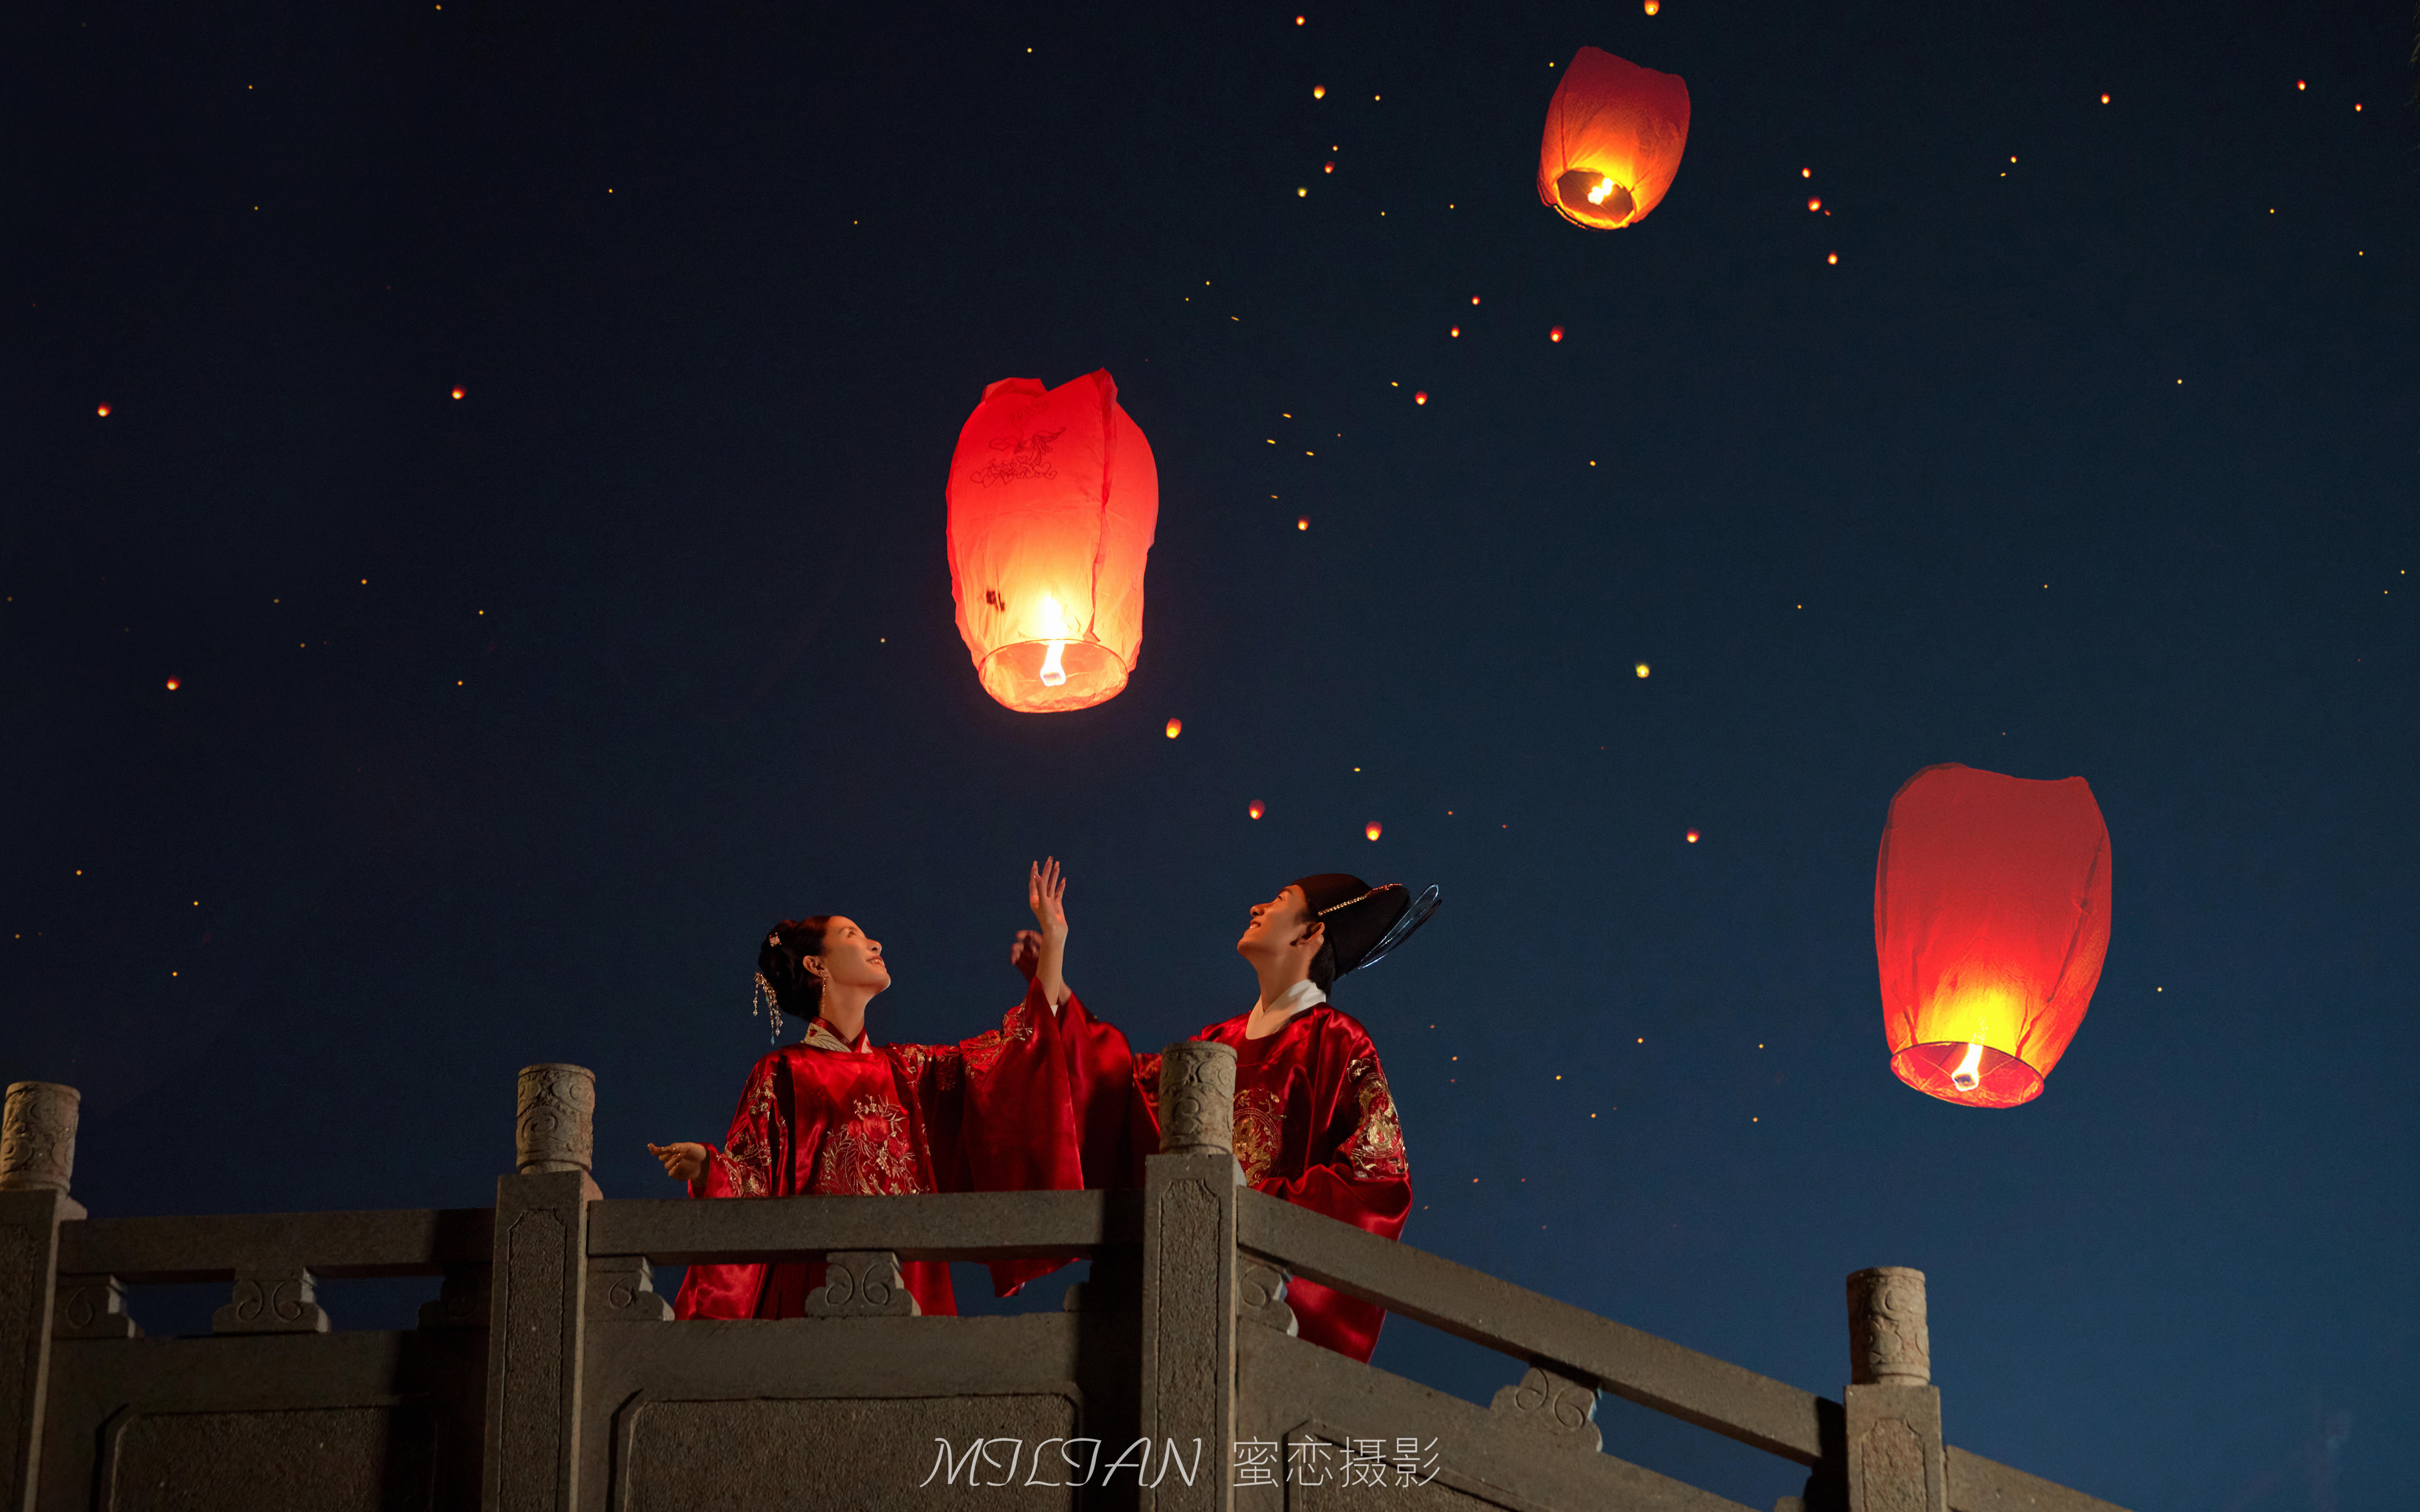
pixel 1895 1460
pixel 538 1295
pixel 1188 1283
pixel 37 1130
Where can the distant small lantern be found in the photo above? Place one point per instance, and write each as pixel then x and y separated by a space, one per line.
pixel 1991 923
pixel 1614 136
pixel 1053 501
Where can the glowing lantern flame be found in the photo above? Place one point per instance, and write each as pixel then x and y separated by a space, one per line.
pixel 172 684
pixel 1175 728
pixel 1419 396
pixel 102 411
pixel 457 393
pixel 1374 830
pixel 1053 498
pixel 1814 204
pixel 1256 810
pixel 1991 924
pixel 1614 136
pixel 1555 334
pixel 1319 91
pixel 1303 523
pixel 1693 836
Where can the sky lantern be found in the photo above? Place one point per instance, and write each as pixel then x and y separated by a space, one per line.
pixel 1053 499
pixel 1990 922
pixel 1613 142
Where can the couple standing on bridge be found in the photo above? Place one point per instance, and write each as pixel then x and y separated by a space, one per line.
pixel 1055 1099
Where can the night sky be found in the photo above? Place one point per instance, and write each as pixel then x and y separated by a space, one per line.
pixel 503 724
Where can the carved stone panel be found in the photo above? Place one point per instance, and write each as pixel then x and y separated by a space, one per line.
pixel 272 1302
pixel 1196 1099
pixel 901 1455
pixel 23 1287
pixel 328 1459
pixel 1896 1459
pixel 1259 1296
pixel 38 1132
pixel 554 1128
pixel 534 1365
pixel 622 1289
pixel 1188 1315
pixel 863 1284
pixel 92 1307
pixel 1562 1409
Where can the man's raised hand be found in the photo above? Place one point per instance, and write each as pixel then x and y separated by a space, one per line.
pixel 682 1161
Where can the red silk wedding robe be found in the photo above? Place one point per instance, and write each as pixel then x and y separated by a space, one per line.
pixel 1314 1124
pixel 828 1119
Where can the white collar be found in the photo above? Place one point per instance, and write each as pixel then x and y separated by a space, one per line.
pixel 1302 995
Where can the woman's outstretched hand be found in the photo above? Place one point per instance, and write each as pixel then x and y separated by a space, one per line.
pixel 1042 955
pixel 1045 893
pixel 682 1161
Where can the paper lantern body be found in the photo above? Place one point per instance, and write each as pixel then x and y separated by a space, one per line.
pixel 1990 922
pixel 1053 499
pixel 1613 142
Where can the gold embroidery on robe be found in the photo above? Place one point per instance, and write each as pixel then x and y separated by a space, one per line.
pixel 1375 1150
pixel 748 1167
pixel 1260 1131
pixel 869 1155
pixel 983 1051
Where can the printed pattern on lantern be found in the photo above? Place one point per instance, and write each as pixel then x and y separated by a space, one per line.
pixel 1260 1131
pixel 1029 456
pixel 1375 1150
pixel 748 1164
pixel 869 1155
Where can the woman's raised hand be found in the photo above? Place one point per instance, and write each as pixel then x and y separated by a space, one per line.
pixel 1045 893
pixel 1025 952
pixel 682 1161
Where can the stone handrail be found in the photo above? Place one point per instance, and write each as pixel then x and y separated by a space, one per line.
pixel 332 1245
pixel 958 1226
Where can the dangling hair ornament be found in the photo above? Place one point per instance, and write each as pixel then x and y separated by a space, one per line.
pixel 767 1003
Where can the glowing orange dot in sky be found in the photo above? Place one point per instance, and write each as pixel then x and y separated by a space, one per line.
pixel 1834 258
pixel 1374 830
pixel 1302 524
pixel 1814 204
pixel 1175 728
pixel 457 393
pixel 1327 168
pixel 1806 173
pixel 1654 6
pixel 1693 836
pixel 2300 85
pixel 1319 91
pixel 1256 810
pixel 1297 21
pixel 1456 331
pixel 172 684
pixel 2105 99
pixel 1555 333
pixel 102 411
pixel 1474 299
pixel 1419 396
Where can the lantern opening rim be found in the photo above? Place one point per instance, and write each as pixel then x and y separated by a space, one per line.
pixel 2006 1081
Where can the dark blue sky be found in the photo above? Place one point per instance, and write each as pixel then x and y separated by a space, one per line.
pixel 507 724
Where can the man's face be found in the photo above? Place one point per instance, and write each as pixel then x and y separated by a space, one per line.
pixel 1279 927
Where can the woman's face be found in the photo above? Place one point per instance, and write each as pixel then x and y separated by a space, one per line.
pixel 850 959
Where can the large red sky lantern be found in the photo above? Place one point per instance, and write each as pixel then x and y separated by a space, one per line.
pixel 1613 142
pixel 1990 922
pixel 1053 499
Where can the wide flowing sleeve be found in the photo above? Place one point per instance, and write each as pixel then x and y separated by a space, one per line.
pixel 1357 1171
pixel 998 1116
pixel 1116 1098
pixel 754 1161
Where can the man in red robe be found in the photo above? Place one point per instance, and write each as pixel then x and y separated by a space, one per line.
pixel 1314 1121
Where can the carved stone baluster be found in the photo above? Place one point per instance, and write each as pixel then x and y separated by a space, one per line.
pixel 863 1284
pixel 1260 1295
pixel 463 1299
pixel 1188 1275
pixel 1895 1459
pixel 622 1289
pixel 272 1302
pixel 37 1130
pixel 538 1311
pixel 92 1307
pixel 1556 1405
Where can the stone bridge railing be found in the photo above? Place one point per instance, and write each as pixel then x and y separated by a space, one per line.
pixel 546 1376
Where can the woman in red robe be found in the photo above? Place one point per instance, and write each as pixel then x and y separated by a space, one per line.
pixel 1314 1121
pixel 834 1115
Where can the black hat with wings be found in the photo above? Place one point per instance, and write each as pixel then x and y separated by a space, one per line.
pixel 1363 923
